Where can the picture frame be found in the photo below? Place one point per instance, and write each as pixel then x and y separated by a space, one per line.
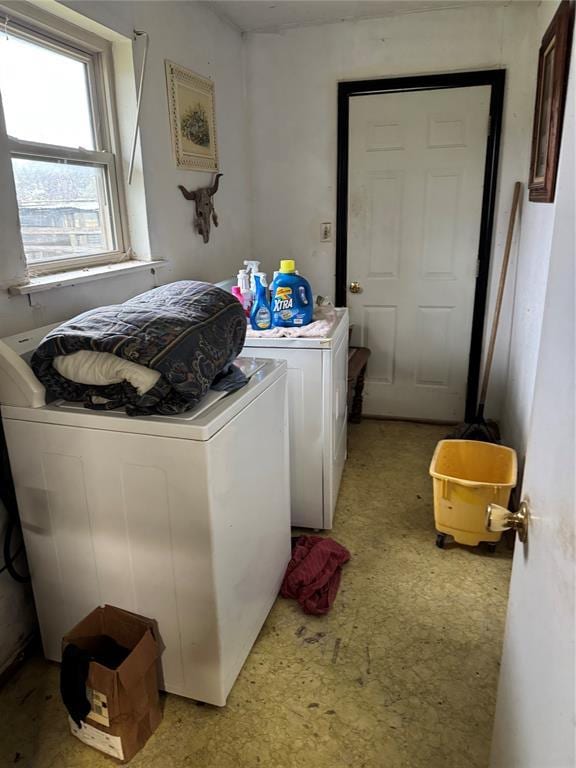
pixel 553 65
pixel 192 119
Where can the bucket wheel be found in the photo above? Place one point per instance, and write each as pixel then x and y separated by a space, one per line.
pixel 440 540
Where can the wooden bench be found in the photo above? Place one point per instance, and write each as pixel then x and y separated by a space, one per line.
pixel 357 362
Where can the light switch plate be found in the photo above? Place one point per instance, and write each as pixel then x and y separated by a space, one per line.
pixel 326 232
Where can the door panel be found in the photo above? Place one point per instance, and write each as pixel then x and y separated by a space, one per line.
pixel 434 353
pixel 416 174
pixel 379 333
pixel 440 218
pixel 385 196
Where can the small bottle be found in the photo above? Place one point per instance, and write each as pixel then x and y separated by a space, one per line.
pixel 244 286
pixel 237 293
pixel 261 314
pixel 252 268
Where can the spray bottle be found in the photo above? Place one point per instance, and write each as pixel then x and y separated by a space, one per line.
pixel 261 314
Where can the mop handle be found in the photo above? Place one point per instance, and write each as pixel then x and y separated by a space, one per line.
pixel 500 296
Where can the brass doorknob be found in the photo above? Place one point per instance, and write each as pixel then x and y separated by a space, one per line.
pixel 501 519
pixel 355 287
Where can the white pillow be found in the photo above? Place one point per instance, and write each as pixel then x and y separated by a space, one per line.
pixel 102 368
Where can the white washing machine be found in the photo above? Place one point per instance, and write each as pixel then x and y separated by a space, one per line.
pixel 184 519
pixel 317 400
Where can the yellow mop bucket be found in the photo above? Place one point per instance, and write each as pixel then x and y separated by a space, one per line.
pixel 467 476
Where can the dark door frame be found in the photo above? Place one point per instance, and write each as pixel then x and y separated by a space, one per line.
pixel 496 79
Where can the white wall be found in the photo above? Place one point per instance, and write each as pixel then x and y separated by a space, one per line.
pixel 531 272
pixel 193 36
pixel 293 79
pixel 534 724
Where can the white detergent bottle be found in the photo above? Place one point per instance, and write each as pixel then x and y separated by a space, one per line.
pixel 252 267
pixel 243 279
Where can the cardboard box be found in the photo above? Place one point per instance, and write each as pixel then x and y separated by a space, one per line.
pixel 125 707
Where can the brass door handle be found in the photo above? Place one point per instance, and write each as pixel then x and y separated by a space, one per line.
pixel 355 287
pixel 501 519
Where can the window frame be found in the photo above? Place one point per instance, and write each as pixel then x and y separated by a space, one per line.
pixel 96 54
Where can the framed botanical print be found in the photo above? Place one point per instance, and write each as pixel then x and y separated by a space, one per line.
pixel 192 119
pixel 553 65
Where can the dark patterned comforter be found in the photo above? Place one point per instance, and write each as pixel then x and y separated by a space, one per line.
pixel 189 332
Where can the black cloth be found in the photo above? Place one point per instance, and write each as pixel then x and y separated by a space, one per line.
pixel 73 676
pixel 74 671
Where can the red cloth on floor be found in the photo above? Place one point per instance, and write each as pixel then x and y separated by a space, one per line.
pixel 313 574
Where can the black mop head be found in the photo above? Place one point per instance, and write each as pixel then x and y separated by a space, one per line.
pixel 484 431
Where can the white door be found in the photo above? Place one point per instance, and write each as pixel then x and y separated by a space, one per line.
pixel 535 712
pixel 416 175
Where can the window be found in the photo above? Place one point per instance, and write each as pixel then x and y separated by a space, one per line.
pixel 58 115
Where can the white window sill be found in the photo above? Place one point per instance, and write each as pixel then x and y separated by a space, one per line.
pixel 86 275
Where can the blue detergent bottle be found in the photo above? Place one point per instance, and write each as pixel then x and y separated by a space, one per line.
pixel 261 315
pixel 292 300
